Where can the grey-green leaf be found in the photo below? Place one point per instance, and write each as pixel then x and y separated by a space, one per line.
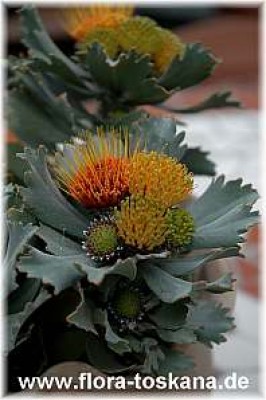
pixel 165 286
pixel 180 336
pixel 82 316
pixel 127 268
pixel 175 362
pixel 101 357
pixel 183 265
pixel 36 38
pixel 223 213
pixel 18 236
pixel 59 272
pixel 196 65
pixel 116 343
pixel 44 197
pixel 22 109
pixel 25 293
pixel 15 321
pixel 57 243
pixel 160 134
pixel 221 285
pixel 153 357
pixel 210 321
pixel 169 316
pixel 214 101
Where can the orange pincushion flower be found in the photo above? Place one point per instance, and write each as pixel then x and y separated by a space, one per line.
pixel 80 21
pixel 96 174
pixel 101 184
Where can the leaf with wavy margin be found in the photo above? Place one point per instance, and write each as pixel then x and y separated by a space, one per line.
pixel 43 195
pixel 223 214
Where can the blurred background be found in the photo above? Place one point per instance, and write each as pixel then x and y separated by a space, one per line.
pixel 232 137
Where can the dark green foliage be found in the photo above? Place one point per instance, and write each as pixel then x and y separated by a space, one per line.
pixel 129 78
pixel 196 65
pixel 198 163
pixel 214 101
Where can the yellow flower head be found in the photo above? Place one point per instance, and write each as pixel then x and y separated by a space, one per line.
pixel 139 34
pixel 79 21
pixel 141 223
pixel 169 47
pixel 106 37
pixel 95 172
pixel 160 178
pixel 144 36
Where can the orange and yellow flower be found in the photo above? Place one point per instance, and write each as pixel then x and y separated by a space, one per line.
pixel 97 173
pixel 80 21
pixel 117 30
pixel 100 170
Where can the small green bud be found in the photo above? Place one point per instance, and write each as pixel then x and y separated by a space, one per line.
pixel 101 240
pixel 127 303
pixel 181 227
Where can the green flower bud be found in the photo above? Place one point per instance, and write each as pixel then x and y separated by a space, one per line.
pixel 125 308
pixel 180 227
pixel 127 303
pixel 101 240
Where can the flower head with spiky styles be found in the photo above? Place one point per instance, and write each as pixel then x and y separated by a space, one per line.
pixel 144 36
pixel 140 34
pixel 159 178
pixel 168 48
pixel 80 21
pixel 96 171
pixel 141 223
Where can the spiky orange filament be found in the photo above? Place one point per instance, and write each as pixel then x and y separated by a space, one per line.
pixel 103 184
pixel 97 173
pixel 80 21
